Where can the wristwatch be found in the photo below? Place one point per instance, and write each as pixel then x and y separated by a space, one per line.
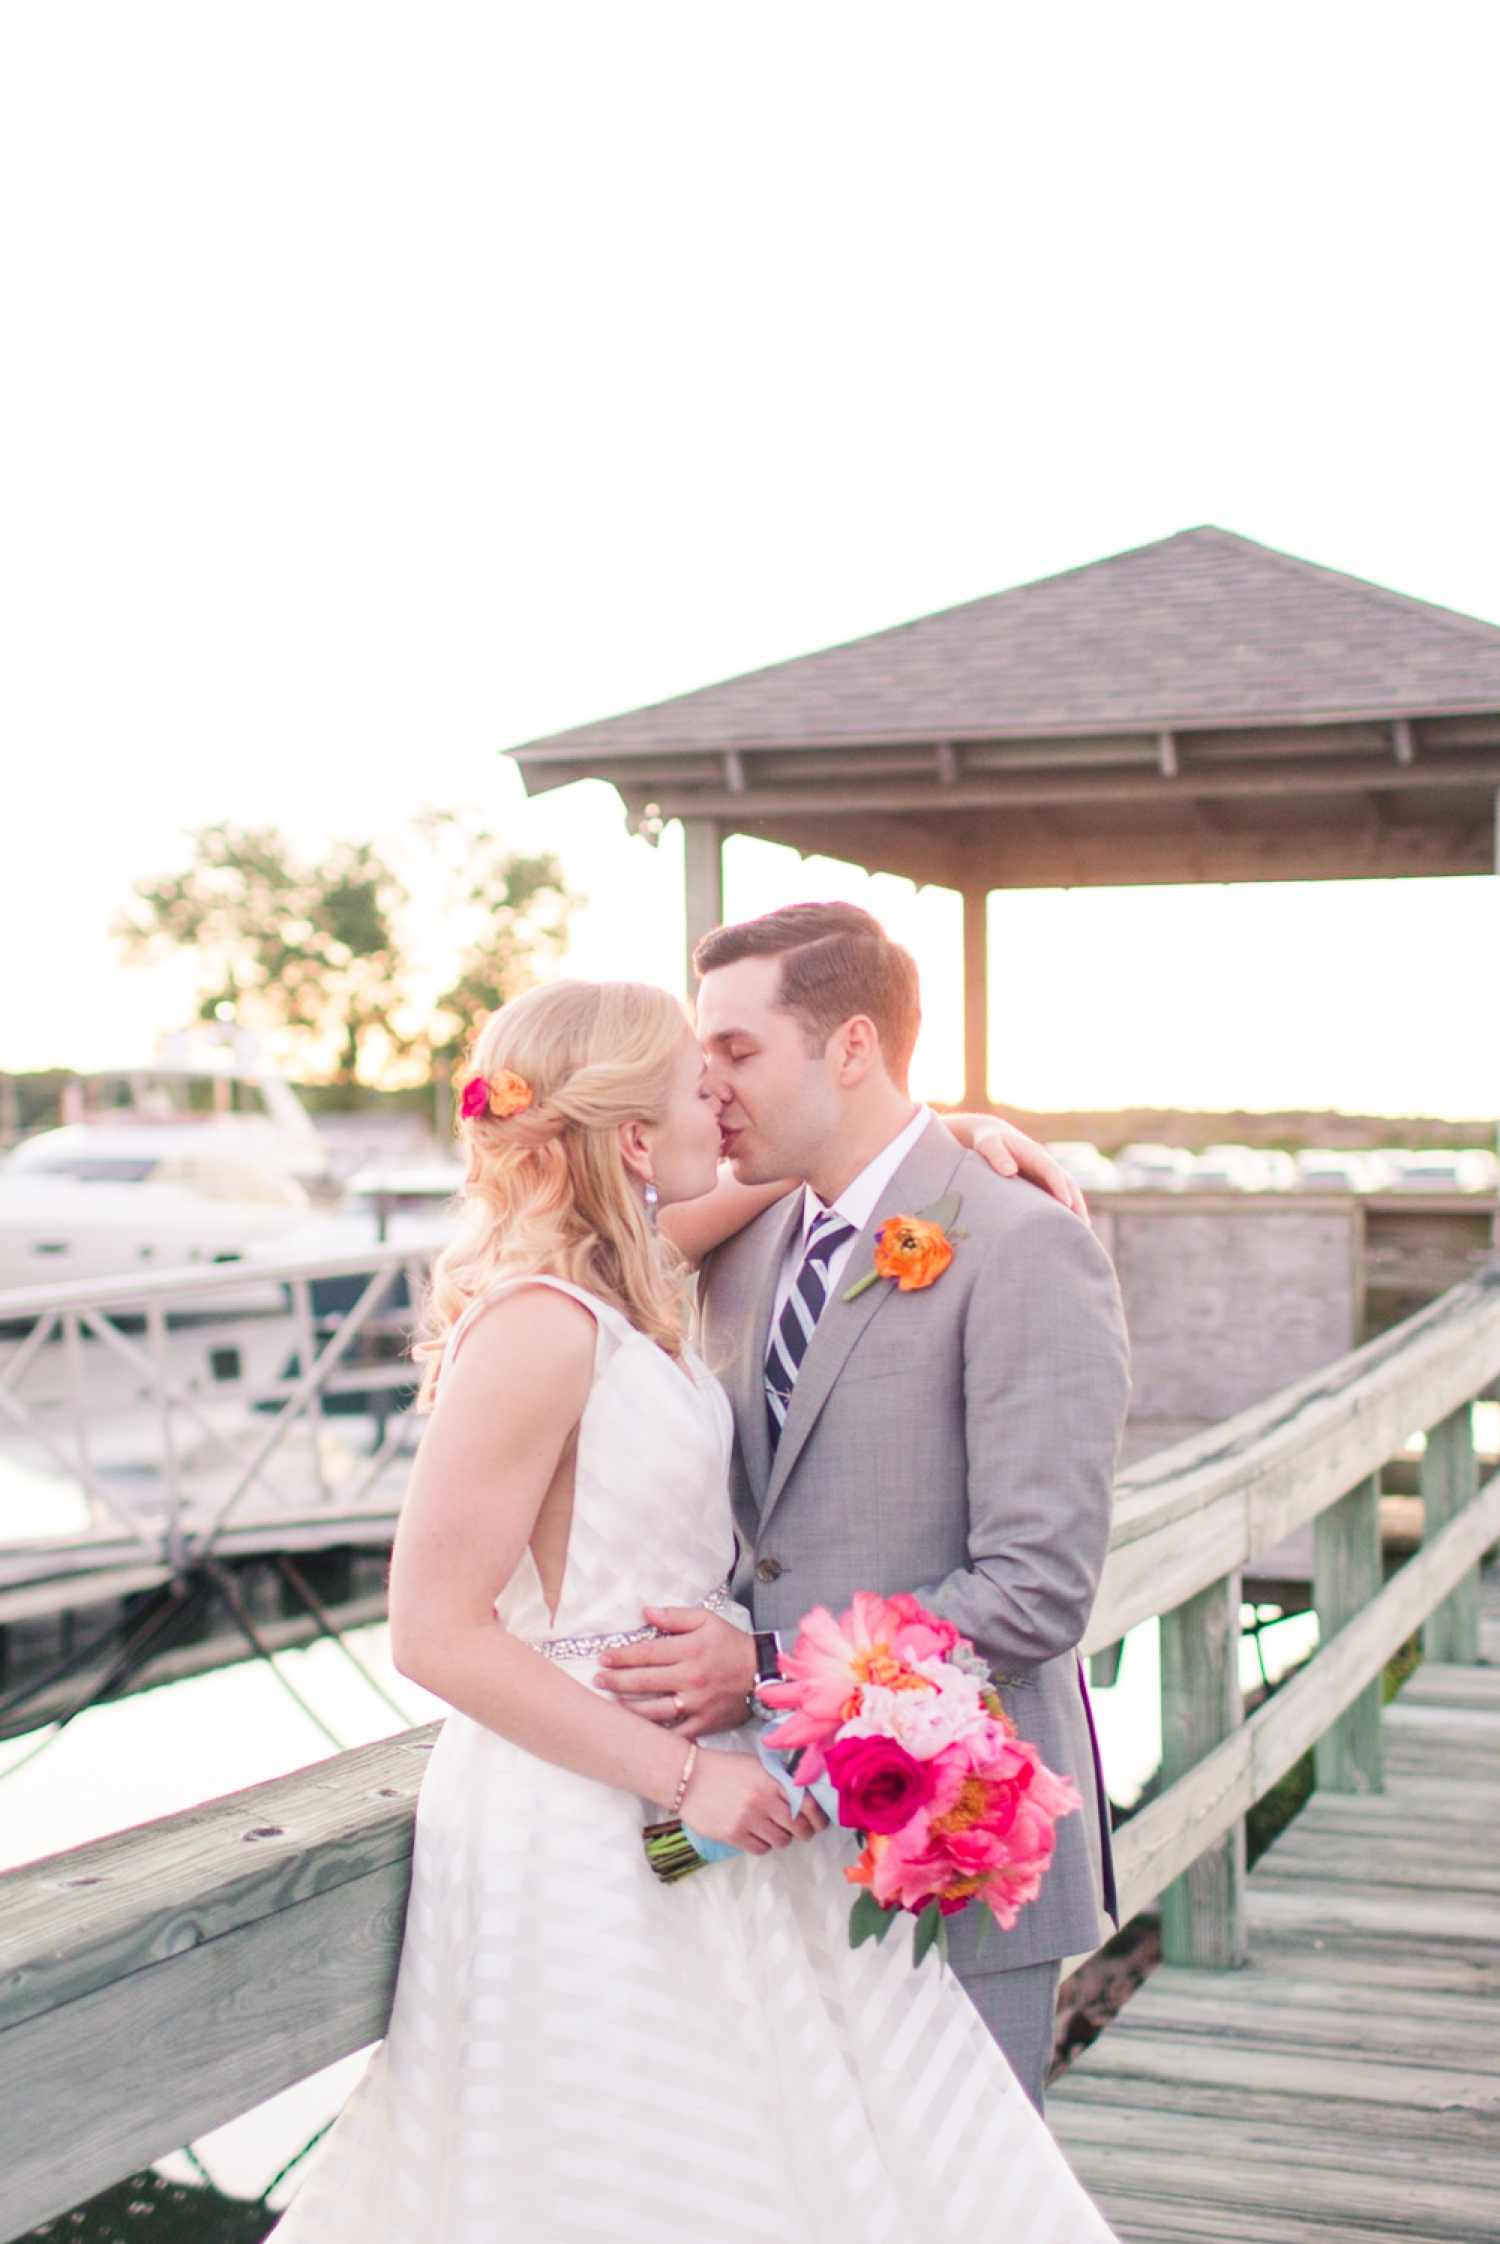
pixel 767 1670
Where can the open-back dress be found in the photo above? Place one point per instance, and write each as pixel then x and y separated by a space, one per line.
pixel 580 2054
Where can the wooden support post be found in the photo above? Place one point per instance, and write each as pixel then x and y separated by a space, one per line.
pixel 1347 1574
pixel 1450 1480
pixel 1104 1667
pixel 976 1001
pixel 1203 1911
pixel 703 883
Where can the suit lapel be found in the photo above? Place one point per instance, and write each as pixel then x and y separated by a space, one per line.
pixel 921 1179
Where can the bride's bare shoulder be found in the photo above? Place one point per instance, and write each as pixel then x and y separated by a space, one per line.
pixel 530 1331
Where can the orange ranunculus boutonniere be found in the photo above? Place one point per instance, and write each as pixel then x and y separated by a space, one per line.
pixel 914 1250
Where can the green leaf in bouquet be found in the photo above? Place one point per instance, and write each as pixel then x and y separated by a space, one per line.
pixel 867 1920
pixel 931 1933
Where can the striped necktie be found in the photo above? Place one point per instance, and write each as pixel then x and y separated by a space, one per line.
pixel 799 1319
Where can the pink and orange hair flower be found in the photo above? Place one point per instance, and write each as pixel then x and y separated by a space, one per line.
pixel 501 1095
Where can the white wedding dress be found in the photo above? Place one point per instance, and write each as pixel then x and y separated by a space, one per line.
pixel 579 2054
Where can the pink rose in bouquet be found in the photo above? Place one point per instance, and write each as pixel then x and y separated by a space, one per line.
pixel 952 1806
pixel 880 1786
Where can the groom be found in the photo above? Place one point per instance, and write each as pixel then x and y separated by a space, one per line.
pixel 956 1440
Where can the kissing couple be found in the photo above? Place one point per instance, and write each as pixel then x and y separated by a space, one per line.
pixel 610 1539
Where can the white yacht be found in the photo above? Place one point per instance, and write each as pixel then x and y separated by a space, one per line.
pixel 202 1155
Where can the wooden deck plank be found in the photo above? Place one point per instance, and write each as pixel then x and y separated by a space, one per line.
pixel 1436 1684
pixel 1399 1864
pixel 1357 1996
pixel 1152 2220
pixel 1436 1714
pixel 1346 2084
pixel 1242 2133
pixel 1400 1911
pixel 1378 2035
pixel 1437 1799
pixel 1374 1840
pixel 1238 2063
pixel 1304 2186
pixel 1463 2133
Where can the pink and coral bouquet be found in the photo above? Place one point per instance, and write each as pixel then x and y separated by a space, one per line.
pixel 952 1807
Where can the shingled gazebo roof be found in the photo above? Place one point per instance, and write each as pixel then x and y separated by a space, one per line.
pixel 1199 709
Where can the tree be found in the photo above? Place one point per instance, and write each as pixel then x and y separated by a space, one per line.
pixel 323 957
pixel 307 951
pixel 505 915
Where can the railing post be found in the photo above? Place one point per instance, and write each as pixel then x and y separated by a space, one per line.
pixel 72 1338
pixel 1347 1573
pixel 1202 1912
pixel 161 1355
pixel 1450 1480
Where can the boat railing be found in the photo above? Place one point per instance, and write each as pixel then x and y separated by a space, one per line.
pixel 229 1379
pixel 155 1984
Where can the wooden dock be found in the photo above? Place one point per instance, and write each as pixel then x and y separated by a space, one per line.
pixel 1345 2085
pixel 1346 2082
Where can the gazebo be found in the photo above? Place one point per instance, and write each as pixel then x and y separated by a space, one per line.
pixel 1200 709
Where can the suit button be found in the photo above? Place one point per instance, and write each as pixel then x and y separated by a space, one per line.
pixel 769 1570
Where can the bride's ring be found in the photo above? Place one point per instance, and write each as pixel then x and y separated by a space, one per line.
pixel 678 1705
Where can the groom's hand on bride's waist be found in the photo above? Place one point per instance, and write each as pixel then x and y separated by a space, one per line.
pixel 696 1677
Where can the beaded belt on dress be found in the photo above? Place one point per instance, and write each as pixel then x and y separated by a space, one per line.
pixel 589 1647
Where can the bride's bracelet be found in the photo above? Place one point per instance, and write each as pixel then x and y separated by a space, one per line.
pixel 686 1778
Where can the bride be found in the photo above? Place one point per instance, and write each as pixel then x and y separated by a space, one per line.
pixel 578 2051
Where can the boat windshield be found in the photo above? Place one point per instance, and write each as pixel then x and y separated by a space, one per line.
pixel 94 1168
pixel 162 1095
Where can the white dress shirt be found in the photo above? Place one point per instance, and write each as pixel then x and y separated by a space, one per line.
pixel 856 1204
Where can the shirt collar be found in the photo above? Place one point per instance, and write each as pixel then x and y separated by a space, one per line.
pixel 857 1202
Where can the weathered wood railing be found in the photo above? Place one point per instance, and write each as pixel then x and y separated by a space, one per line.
pixel 155 1984
pixel 1190 1518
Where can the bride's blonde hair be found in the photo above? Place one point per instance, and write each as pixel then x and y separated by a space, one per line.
pixel 548 1190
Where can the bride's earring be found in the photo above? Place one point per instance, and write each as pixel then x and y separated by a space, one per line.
pixel 653 1202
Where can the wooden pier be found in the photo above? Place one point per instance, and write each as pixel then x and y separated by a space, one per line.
pixel 158 1982
pixel 1346 2082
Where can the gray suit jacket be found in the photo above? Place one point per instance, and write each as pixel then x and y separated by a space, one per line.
pixel 958 1441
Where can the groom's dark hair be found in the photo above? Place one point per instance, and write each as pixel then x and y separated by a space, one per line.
pixel 836 961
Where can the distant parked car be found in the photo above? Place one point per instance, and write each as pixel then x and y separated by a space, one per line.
pixel 1241 1168
pixel 1086 1165
pixel 1334 1169
pixel 1154 1168
pixel 1470 1169
pixel 1227 1168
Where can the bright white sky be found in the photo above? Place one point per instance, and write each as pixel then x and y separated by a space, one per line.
pixel 384 385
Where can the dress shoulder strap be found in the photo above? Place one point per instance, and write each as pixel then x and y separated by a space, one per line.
pixel 614 1327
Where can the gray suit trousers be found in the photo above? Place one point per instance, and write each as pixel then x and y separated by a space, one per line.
pixel 1020 2008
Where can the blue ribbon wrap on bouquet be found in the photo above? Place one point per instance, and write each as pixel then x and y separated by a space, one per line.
pixel 717 1850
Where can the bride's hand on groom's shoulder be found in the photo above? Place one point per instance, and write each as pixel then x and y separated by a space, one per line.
pixel 695 1678
pixel 1011 1153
